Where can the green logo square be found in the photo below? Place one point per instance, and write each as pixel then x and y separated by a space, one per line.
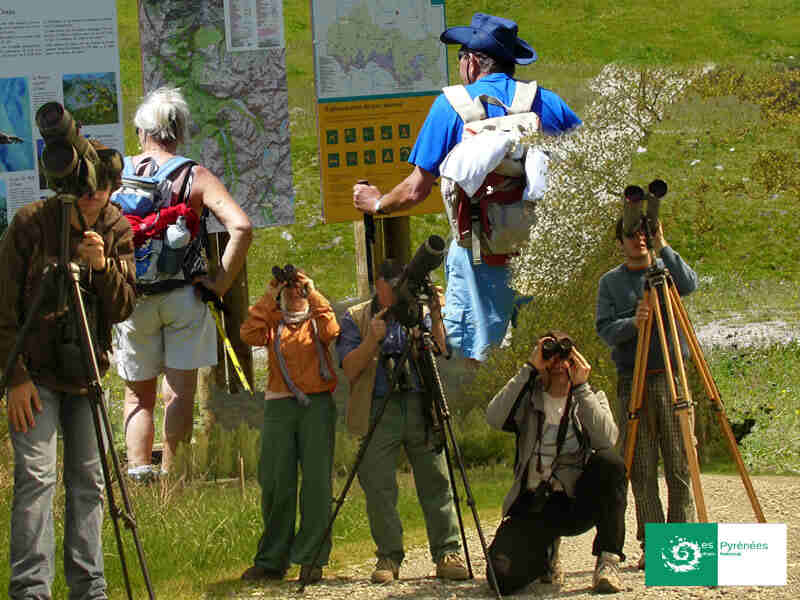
pixel 333 160
pixel 351 158
pixel 680 554
pixel 332 136
pixel 369 157
pixel 386 132
pixel 350 135
pixel 368 133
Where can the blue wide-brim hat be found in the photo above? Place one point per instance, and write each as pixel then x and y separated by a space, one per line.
pixel 494 36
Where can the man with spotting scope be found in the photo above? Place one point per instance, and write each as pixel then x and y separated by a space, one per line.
pixel 620 319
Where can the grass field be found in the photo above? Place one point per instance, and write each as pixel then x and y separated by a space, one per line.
pixel 728 149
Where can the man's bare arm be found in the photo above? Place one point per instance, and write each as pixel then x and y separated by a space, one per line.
pixel 406 194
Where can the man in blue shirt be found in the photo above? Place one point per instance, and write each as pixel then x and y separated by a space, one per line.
pixel 479 299
pixel 371 348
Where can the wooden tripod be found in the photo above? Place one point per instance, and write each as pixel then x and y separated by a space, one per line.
pixel 660 285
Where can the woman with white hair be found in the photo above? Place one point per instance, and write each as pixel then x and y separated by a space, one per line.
pixel 171 330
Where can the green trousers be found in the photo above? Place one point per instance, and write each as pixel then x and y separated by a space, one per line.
pixel 294 436
pixel 403 426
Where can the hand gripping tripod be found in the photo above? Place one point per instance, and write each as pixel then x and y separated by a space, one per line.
pixel 64 278
pixel 660 288
pixel 420 350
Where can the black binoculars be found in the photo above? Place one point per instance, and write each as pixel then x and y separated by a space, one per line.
pixel 287 274
pixel 551 348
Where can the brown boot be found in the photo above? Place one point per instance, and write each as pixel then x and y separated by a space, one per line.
pixel 606 578
pixel 386 570
pixel 450 566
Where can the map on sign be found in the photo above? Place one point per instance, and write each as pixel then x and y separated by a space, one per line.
pixel 238 101
pixel 378 47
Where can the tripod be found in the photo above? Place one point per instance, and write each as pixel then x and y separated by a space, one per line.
pixel 63 278
pixel 660 288
pixel 421 352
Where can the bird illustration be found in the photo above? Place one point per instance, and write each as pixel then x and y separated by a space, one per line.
pixel 7 138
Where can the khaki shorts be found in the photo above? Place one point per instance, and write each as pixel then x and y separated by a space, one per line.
pixel 173 330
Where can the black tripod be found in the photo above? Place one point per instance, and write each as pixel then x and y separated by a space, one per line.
pixel 421 352
pixel 63 279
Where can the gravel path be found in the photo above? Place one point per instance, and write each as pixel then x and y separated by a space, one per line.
pixel 726 501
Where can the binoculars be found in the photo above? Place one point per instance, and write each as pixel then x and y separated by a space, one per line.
pixel 551 348
pixel 633 218
pixel 287 276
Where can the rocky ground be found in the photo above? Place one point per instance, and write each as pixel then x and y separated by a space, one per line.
pixel 726 500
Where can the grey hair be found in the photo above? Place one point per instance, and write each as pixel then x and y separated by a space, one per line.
pixel 163 115
pixel 489 64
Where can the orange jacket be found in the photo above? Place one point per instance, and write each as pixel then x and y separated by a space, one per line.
pixel 297 343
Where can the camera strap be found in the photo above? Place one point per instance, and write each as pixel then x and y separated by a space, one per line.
pixel 560 436
pixel 324 370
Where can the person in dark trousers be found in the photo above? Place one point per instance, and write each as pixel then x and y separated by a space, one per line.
pixel 568 477
pixel 621 314
pixel 296 324
pixel 371 343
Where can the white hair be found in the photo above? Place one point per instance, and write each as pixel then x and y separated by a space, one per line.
pixel 163 115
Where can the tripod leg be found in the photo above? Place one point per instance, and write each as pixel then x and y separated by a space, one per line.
pixel 103 425
pixel 637 389
pixel 713 394
pixel 112 507
pixel 456 498
pixel 680 405
pixel 432 373
pixel 362 450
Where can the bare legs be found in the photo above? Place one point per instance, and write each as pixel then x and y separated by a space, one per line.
pixel 178 388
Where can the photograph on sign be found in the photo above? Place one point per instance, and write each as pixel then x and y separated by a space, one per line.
pixel 51 52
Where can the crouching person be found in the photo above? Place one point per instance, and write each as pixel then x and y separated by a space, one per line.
pixel 568 477
pixel 296 323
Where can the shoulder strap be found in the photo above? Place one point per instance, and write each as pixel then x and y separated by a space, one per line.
pixel 127 166
pixel 172 165
pixel 524 95
pixel 468 109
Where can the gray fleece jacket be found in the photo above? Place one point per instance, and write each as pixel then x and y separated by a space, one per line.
pixel 590 415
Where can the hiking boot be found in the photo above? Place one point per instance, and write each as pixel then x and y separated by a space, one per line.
pixel 606 578
pixel 256 573
pixel 450 566
pixel 554 575
pixel 309 574
pixel 385 571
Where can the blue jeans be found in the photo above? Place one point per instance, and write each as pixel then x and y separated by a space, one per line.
pixel 32 538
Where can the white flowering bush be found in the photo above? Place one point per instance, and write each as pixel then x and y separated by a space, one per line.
pixel 588 173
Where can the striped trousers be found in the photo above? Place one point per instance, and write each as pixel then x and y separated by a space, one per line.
pixel 659 431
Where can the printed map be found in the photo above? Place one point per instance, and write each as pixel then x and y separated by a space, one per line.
pixel 238 103
pixel 368 48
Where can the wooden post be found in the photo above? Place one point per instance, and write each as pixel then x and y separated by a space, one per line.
pixel 392 240
pixel 362 278
pixel 237 300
